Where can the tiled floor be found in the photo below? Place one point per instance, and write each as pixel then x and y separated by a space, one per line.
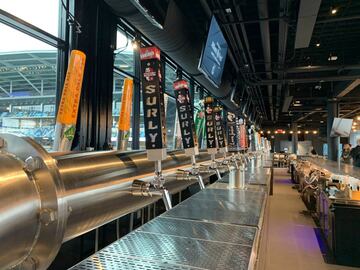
pixel 292 243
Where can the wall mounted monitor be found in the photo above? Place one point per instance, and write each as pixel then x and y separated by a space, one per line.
pixel 341 127
pixel 213 56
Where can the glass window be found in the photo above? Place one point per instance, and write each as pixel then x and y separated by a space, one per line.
pixel 44 14
pixel 172 124
pixel 27 86
pixel 170 77
pixel 116 107
pixel 124 53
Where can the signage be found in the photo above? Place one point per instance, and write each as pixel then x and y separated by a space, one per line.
pixel 185 113
pixel 219 127
pixel 242 137
pixel 210 123
pixel 126 104
pixel 214 54
pixel 70 98
pixel 153 99
pixel 232 134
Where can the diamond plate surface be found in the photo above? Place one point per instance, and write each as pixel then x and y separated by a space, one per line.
pixel 223 185
pixel 234 196
pixel 257 176
pixel 202 230
pixel 113 261
pixel 181 251
pixel 248 216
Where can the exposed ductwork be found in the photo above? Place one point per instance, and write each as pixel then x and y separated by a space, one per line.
pixel 265 38
pixel 176 41
pixel 306 22
pixel 283 33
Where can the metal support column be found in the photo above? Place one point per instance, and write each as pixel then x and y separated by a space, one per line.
pixel 294 137
pixel 136 103
pixel 333 111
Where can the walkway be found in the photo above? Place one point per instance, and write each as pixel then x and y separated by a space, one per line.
pixel 292 243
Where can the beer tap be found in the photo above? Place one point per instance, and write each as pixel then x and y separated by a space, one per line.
pixel 155 124
pixel 187 126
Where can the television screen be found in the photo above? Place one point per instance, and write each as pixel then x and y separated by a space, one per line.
pixel 213 57
pixel 341 127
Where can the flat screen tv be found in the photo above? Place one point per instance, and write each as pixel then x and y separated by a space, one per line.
pixel 213 56
pixel 341 127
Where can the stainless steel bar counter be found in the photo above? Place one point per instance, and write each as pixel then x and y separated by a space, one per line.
pixel 335 167
pixel 338 215
pixel 217 228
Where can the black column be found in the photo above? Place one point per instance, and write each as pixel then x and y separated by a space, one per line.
pixel 97 40
pixel 333 111
pixel 294 137
pixel 136 102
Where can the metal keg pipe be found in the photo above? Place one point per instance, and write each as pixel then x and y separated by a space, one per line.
pixel 46 200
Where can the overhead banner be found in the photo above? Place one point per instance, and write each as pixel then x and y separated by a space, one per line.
pixel 220 130
pixel 186 119
pixel 153 103
pixel 232 134
pixel 210 125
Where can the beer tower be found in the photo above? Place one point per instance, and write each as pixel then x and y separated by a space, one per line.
pixel 187 125
pixel 154 121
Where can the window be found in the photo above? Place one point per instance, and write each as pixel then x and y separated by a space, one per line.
pixel 170 77
pixel 124 53
pixel 116 107
pixel 43 14
pixel 28 72
pixel 123 64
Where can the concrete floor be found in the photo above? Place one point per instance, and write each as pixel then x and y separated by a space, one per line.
pixel 292 243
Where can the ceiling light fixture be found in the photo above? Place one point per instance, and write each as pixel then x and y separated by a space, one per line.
pixel 315 132
pixel 306 132
pixel 358 117
pixel 317 44
pixel 332 57
pixel 228 10
pixel 291 132
pixel 333 10
pixel 135 45
pixel 299 132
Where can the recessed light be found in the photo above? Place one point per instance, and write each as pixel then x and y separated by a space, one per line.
pixel 322 122
pixel 358 118
pixel 318 44
pixel 297 101
pixel 306 132
pixel 314 132
pixel 291 132
pixel 332 58
pixel 333 10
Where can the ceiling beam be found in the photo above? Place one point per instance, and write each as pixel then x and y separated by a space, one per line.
pixel 265 39
pixel 307 16
pixel 309 80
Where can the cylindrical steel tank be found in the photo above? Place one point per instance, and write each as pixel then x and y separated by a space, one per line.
pixel 46 199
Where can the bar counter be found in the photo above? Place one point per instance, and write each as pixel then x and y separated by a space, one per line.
pixel 339 218
pixel 217 228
